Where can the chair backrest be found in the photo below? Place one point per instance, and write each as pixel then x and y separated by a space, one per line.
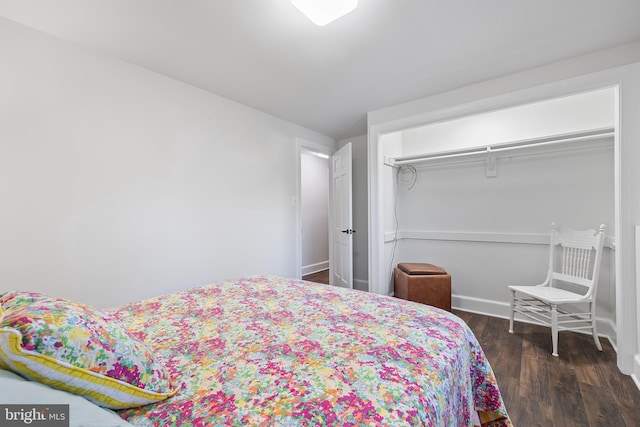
pixel 575 257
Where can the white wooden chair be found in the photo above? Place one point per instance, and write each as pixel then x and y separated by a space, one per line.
pixel 574 264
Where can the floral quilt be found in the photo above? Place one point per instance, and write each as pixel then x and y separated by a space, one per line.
pixel 268 351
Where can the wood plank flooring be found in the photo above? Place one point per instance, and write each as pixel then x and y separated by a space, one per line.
pixel 319 277
pixel 582 387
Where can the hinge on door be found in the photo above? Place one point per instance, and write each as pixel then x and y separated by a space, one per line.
pixel 349 231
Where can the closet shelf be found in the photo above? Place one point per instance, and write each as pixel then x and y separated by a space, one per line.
pixel 508 148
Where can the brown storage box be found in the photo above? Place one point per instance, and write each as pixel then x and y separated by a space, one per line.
pixel 424 283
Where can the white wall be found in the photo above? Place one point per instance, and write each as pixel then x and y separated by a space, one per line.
pixel 118 183
pixel 314 208
pixel 456 217
pixel 360 208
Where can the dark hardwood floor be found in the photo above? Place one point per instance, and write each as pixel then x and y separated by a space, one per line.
pixel 582 387
pixel 319 277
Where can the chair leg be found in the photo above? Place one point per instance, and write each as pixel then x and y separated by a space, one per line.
pixel 513 303
pixel 595 331
pixel 554 329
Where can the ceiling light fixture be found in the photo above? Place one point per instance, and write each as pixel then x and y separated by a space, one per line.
pixel 322 12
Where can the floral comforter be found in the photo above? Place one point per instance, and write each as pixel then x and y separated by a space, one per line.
pixel 267 351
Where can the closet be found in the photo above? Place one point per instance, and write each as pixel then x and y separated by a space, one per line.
pixel 477 195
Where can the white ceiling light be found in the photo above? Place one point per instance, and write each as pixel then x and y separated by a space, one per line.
pixel 321 12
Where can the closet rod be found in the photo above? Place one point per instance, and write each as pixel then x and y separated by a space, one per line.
pixel 508 146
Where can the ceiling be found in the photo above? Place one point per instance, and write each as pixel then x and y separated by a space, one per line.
pixel 265 54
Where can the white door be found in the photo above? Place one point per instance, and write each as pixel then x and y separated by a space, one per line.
pixel 341 219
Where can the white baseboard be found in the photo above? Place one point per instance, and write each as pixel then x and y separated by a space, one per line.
pixel 606 328
pixel 314 268
pixel 480 306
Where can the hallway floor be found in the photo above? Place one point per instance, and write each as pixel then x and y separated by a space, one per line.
pixel 319 277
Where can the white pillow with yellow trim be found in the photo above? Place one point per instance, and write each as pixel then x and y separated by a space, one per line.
pixel 76 348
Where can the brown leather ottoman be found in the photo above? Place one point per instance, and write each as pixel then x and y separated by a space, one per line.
pixel 424 283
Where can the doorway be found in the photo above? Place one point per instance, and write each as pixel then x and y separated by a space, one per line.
pixel 314 216
pixel 318 165
pixel 312 162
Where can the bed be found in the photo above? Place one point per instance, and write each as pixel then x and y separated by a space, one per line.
pixel 270 351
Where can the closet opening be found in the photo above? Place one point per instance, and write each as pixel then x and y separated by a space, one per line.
pixel 477 195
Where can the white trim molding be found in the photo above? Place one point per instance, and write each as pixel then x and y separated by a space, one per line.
pixel 315 268
pixel 479 236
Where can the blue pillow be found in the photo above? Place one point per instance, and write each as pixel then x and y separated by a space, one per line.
pixel 82 413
